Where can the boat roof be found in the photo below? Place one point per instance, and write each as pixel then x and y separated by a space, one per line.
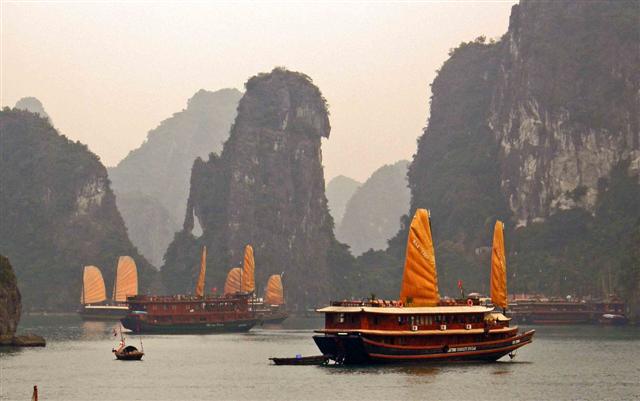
pixel 118 307
pixel 407 310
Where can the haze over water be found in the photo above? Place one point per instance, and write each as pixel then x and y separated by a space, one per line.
pixel 563 363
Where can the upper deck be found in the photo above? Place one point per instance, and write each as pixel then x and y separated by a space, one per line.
pixel 390 316
pixel 189 304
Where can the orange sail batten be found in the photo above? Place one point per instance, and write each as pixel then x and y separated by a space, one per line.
pixel 93 290
pixel 274 294
pixel 420 278
pixel 498 267
pixel 203 272
pixel 126 284
pixel 232 284
pixel 248 270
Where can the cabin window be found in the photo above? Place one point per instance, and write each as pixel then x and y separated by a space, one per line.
pixel 375 320
pixel 341 318
pixel 399 320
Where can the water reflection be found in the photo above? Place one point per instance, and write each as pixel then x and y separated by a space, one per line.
pixel 95 330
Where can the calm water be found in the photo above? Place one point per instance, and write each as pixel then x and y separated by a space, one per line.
pixel 563 363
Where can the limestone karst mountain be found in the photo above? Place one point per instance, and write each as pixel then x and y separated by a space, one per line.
pixel 540 129
pixel 10 305
pixel 266 188
pixel 373 213
pixel 31 104
pixel 58 213
pixel 159 169
pixel 339 190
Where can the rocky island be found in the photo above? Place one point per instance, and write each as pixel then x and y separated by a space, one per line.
pixel 10 308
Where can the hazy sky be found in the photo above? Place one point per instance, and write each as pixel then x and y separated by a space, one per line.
pixel 108 72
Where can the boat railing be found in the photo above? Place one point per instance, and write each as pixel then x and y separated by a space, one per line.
pixel 189 298
pixel 376 303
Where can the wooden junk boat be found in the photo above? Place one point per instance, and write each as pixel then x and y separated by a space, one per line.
pixel 568 311
pixel 199 313
pixel 94 305
pixel 422 327
pixel 270 309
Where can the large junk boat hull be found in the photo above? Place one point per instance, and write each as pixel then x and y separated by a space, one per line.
pixel 358 349
pixel 103 312
pixel 140 326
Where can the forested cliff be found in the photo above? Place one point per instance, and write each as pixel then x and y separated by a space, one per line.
pixel 58 213
pixel 540 129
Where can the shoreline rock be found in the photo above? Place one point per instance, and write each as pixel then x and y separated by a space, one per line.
pixel 23 340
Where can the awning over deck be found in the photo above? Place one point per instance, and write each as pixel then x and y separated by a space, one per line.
pixel 426 310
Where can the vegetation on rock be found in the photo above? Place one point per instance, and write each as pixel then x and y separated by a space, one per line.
pixel 58 213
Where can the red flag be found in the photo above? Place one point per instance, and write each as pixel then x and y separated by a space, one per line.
pixel 460 284
pixel 214 289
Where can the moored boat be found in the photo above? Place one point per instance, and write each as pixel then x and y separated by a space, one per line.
pixel 421 327
pixel 565 311
pixel 301 360
pixel 271 309
pixel 613 319
pixel 186 314
pixel 94 304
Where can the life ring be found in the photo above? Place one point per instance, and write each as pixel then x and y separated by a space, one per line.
pixel 400 304
pixel 469 302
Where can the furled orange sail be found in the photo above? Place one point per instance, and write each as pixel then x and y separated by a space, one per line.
pixel 498 268
pixel 420 279
pixel 274 294
pixel 232 284
pixel 248 269
pixel 126 284
pixel 93 290
pixel 203 272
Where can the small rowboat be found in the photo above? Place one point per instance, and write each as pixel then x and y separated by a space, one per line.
pixel 300 360
pixel 128 353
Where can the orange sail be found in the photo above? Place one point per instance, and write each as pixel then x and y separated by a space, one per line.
pixel 274 294
pixel 232 285
pixel 126 284
pixel 420 279
pixel 203 271
pixel 498 268
pixel 93 290
pixel 248 269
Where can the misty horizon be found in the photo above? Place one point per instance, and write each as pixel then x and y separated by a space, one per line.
pixel 373 65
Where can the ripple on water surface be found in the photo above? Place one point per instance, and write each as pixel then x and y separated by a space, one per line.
pixel 564 362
